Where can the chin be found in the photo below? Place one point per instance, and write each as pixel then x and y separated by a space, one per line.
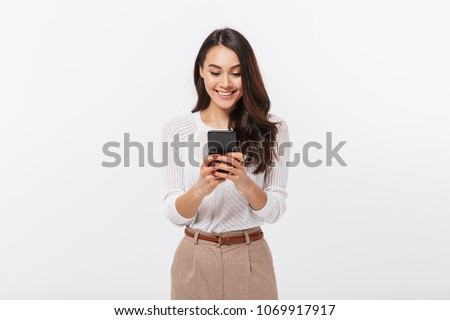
pixel 227 107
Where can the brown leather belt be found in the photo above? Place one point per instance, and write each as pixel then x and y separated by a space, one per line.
pixel 219 239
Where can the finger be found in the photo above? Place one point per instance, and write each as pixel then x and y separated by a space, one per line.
pixel 230 160
pixel 230 169
pixel 223 175
pixel 236 155
pixel 213 175
pixel 206 171
pixel 207 160
pixel 218 175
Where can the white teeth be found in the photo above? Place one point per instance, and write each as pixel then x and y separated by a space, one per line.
pixel 225 93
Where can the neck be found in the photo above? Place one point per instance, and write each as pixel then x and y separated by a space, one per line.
pixel 216 117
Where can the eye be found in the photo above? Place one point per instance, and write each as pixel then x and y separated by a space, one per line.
pixel 215 74
pixel 236 74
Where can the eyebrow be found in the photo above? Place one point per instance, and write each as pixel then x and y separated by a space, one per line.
pixel 216 66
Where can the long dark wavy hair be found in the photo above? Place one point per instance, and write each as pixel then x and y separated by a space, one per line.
pixel 250 117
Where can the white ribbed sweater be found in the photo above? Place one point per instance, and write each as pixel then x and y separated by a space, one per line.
pixel 226 208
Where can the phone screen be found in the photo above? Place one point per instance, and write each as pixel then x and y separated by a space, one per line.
pixel 222 141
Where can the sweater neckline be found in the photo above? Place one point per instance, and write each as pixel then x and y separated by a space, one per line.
pixel 203 125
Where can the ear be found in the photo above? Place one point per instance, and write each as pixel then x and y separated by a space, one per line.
pixel 200 69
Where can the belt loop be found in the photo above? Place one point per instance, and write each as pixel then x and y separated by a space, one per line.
pixel 247 237
pixel 196 237
pixel 219 240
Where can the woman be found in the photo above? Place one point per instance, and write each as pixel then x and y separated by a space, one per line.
pixel 223 254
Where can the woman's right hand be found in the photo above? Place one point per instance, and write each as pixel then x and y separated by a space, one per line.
pixel 207 181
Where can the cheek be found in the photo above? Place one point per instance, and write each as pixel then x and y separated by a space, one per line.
pixel 210 83
pixel 241 90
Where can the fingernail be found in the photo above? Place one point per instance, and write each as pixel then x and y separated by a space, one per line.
pixel 214 157
pixel 213 164
pixel 225 154
pixel 213 172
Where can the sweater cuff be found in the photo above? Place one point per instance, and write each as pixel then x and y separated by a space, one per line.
pixel 267 209
pixel 175 216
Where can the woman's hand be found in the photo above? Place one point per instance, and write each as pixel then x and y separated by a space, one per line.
pixel 233 164
pixel 208 180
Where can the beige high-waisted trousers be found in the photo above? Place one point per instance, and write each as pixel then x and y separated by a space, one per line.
pixel 206 270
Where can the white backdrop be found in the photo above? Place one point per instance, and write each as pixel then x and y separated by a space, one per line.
pixel 77 74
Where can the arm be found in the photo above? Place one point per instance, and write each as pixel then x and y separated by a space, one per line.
pixel 180 206
pixel 188 203
pixel 271 207
pixel 179 214
pixel 267 203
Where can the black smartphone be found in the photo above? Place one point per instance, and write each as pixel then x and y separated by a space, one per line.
pixel 222 142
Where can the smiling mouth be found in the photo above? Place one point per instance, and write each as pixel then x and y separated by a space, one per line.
pixel 225 93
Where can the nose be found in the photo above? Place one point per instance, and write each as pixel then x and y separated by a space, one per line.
pixel 225 81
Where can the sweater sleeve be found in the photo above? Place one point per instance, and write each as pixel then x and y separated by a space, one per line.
pixel 173 174
pixel 275 180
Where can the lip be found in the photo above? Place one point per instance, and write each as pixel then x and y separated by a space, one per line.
pixel 226 97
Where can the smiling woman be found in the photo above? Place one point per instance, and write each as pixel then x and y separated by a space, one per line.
pixel 223 203
pixel 222 77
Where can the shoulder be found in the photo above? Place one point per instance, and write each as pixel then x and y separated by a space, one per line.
pixel 178 121
pixel 280 122
pixel 181 125
pixel 283 132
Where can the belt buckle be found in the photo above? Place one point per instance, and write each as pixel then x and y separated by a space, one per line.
pixel 220 239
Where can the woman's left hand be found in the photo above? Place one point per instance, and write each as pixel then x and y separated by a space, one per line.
pixel 233 164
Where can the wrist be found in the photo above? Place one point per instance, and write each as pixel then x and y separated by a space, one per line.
pixel 257 197
pixel 197 192
pixel 247 186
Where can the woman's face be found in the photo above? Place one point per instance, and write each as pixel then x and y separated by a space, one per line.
pixel 222 76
